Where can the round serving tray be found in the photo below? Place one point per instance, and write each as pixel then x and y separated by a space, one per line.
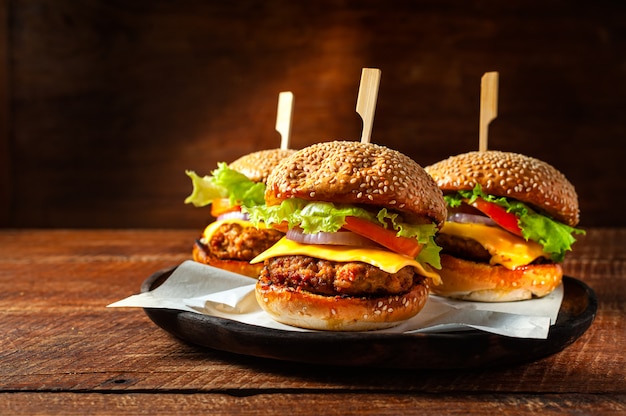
pixel 455 350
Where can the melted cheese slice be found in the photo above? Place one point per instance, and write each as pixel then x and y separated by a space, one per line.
pixel 211 228
pixel 505 248
pixel 383 259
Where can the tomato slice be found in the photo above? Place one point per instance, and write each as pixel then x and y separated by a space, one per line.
pixel 504 219
pixel 282 227
pixel 383 236
pixel 222 206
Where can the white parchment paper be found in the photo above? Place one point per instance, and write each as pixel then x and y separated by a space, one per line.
pixel 198 288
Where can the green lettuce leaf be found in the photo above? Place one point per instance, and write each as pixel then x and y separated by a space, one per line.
pixel 424 233
pixel 430 253
pixel 555 237
pixel 225 183
pixel 314 217
pixel 204 190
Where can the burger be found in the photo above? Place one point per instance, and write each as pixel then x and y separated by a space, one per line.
pixel 231 241
pixel 359 250
pixel 511 220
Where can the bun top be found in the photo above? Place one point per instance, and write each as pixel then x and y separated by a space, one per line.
pixel 258 165
pixel 357 173
pixel 511 175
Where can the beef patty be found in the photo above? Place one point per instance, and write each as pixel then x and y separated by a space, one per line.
pixel 331 278
pixel 232 241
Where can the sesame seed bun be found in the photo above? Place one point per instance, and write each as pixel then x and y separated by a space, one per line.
pixel 357 173
pixel 482 282
pixel 335 313
pixel 511 175
pixel 258 165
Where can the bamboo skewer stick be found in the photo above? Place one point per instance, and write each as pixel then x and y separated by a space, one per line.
pixel 488 106
pixel 366 100
pixel 283 118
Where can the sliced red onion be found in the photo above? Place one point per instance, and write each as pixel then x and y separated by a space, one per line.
pixel 233 215
pixel 465 218
pixel 342 238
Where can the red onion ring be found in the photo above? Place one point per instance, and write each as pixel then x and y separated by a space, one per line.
pixel 342 238
pixel 233 215
pixel 465 218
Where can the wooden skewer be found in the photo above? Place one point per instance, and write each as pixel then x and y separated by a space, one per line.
pixel 488 106
pixel 283 118
pixel 366 100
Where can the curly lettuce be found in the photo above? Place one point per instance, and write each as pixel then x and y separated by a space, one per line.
pixel 555 237
pixel 225 183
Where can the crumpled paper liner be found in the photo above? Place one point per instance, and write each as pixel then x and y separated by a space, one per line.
pixel 198 288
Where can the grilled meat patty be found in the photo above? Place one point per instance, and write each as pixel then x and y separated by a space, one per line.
pixel 332 278
pixel 463 248
pixel 468 249
pixel 235 242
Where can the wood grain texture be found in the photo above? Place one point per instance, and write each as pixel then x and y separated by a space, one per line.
pixel 309 404
pixel 111 101
pixel 61 344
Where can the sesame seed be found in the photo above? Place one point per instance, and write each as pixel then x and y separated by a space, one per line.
pixel 348 171
pixel 512 175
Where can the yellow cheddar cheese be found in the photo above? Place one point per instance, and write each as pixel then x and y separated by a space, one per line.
pixel 505 248
pixel 211 228
pixel 385 260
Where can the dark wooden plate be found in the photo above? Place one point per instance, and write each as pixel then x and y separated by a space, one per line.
pixel 455 350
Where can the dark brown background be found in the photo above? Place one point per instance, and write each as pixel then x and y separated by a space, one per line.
pixel 104 104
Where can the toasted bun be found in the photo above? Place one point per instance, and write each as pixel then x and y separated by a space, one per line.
pixel 334 313
pixel 357 173
pixel 236 266
pixel 258 165
pixel 512 175
pixel 468 280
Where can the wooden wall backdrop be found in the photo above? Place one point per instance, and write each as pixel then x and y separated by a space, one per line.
pixel 105 103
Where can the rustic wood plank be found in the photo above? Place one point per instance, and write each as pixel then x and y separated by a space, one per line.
pixel 122 350
pixel 55 285
pixel 364 403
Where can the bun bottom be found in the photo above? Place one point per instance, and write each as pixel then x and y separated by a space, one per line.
pixel 334 313
pixel 237 266
pixel 468 280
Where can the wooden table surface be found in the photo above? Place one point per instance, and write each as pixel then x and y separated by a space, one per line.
pixel 63 352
